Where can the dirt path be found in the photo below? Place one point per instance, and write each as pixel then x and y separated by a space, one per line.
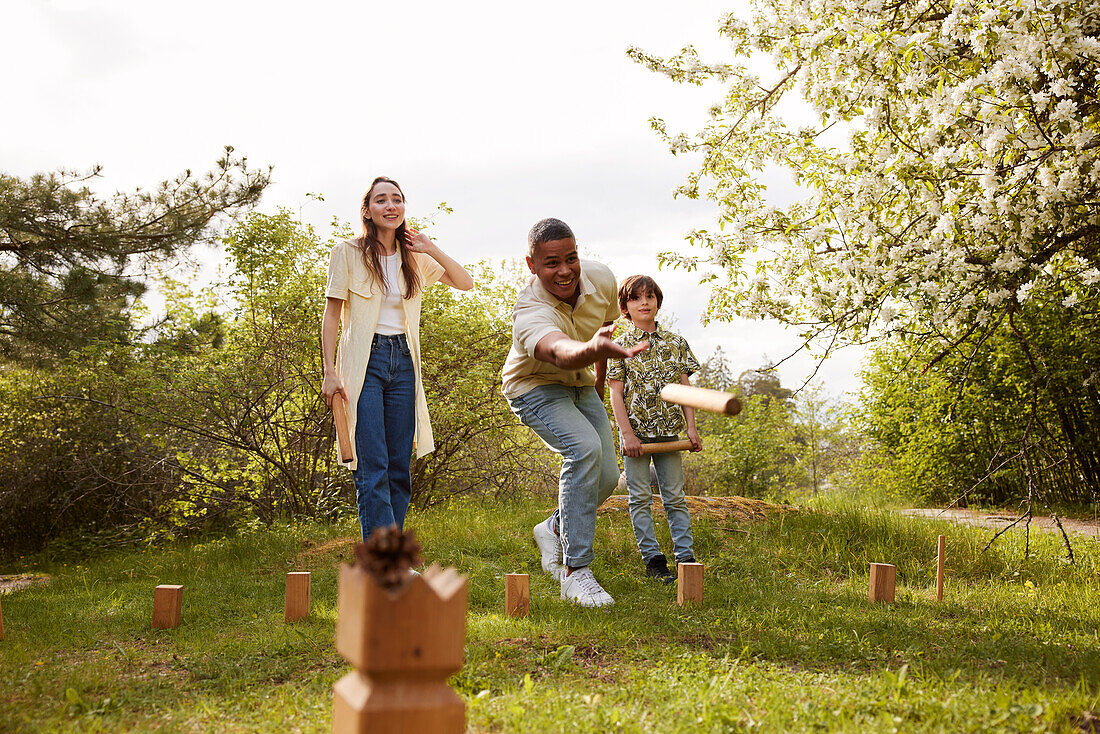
pixel 998 520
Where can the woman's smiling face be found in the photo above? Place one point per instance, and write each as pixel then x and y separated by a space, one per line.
pixel 385 206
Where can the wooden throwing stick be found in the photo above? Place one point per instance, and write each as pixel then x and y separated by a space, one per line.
pixel 701 398
pixel 340 418
pixel 665 447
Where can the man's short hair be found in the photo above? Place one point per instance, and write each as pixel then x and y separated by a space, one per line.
pixel 547 230
pixel 636 286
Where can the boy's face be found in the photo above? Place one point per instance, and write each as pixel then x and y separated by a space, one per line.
pixel 558 267
pixel 642 307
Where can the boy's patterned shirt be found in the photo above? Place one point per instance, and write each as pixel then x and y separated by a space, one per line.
pixel 643 376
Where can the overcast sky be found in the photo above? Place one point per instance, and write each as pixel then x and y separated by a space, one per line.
pixel 508 111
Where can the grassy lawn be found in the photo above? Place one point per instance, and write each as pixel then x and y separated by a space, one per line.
pixel 786 639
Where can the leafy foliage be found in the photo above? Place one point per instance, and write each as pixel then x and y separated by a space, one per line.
pixel 68 257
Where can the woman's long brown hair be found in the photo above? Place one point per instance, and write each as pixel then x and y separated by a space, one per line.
pixel 371 248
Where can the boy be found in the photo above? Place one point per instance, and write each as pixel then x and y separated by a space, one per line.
pixel 642 417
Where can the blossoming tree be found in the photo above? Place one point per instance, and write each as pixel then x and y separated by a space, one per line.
pixel 967 176
pixel 950 187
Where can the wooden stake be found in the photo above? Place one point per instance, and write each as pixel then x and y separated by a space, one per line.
pixel 167 606
pixel 714 401
pixel 882 582
pixel 1 621
pixel 665 447
pixel 689 583
pixel 517 594
pixel 941 552
pixel 297 596
pixel 343 438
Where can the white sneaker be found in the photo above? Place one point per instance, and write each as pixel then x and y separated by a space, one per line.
pixel 582 588
pixel 550 547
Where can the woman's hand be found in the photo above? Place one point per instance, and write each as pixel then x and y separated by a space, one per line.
pixel 331 385
pixel 418 241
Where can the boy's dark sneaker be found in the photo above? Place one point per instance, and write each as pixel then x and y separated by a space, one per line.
pixel 657 568
pixel 689 559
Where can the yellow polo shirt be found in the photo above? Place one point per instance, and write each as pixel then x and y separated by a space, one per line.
pixel 538 313
pixel 351 281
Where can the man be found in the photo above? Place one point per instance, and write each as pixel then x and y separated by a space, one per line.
pixel 561 328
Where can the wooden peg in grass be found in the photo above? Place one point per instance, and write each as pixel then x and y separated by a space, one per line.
pixel 1 622
pixel 941 553
pixel 689 583
pixel 700 398
pixel 517 594
pixel 881 586
pixel 297 596
pixel 167 606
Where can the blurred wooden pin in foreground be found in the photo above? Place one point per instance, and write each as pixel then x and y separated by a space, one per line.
pixel 340 418
pixel 701 398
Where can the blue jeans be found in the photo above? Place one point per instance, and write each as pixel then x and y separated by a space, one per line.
pixel 385 423
pixel 669 469
pixel 573 422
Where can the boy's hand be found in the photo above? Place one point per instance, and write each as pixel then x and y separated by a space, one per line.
pixel 632 446
pixel 696 442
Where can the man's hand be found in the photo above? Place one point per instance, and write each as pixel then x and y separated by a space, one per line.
pixel 601 346
pixel 631 446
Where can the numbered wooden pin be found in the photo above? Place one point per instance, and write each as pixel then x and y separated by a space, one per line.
pixel 689 583
pixel 167 606
pixel 941 554
pixel 881 587
pixel 517 594
pixel 297 596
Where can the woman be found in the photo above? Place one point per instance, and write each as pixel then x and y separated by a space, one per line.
pixel 375 283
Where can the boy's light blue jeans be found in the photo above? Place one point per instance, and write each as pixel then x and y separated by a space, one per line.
pixel 669 469
pixel 573 422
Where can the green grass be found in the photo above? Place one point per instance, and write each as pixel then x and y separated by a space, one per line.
pixel 785 640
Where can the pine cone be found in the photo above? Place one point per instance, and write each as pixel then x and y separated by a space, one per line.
pixel 388 555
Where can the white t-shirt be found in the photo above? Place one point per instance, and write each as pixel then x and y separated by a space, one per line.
pixel 391 316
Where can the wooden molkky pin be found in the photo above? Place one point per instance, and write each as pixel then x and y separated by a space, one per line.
pixel 297 596
pixel 517 594
pixel 167 606
pixel 689 583
pixel 881 586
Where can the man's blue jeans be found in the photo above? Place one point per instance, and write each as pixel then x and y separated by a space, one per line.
pixel 573 422
pixel 669 469
pixel 385 422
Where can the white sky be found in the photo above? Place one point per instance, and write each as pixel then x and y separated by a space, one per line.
pixel 508 111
